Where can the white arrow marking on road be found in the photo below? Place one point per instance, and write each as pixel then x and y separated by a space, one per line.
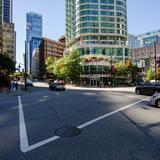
pixel 24 145
pixel 22 128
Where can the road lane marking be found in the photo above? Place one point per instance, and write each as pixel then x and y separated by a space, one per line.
pixel 36 145
pixel 109 114
pixel 22 127
pixel 24 145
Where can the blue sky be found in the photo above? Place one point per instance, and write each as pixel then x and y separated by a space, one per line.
pixel 143 16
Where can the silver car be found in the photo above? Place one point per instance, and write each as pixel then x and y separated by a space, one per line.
pixel 155 100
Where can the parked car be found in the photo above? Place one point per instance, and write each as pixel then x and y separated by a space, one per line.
pixel 148 88
pixel 56 86
pixel 155 100
pixel 29 82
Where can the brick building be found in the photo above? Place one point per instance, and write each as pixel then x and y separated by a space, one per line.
pixel 49 48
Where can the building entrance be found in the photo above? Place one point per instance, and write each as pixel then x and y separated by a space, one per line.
pixel 94 82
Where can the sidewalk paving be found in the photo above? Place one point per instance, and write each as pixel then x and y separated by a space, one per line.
pixel 122 89
pixel 18 92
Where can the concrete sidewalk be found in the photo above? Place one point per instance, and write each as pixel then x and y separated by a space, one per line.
pixel 122 89
pixel 18 92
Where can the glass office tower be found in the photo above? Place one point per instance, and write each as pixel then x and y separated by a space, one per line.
pixel 33 30
pixel 6 11
pixel 98 29
pixel 34 26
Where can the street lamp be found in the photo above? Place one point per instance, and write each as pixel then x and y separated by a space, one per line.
pixel 25 72
pixel 155 59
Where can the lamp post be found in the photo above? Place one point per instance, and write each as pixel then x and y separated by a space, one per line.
pixel 25 72
pixel 155 59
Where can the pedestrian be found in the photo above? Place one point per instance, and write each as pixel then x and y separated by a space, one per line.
pixel 16 85
pixel 109 83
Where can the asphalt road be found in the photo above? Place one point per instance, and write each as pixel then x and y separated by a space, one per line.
pixel 113 125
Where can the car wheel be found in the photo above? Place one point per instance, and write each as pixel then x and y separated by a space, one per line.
pixel 155 91
pixel 137 91
pixel 158 103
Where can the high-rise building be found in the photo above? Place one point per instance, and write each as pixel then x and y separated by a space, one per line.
pixel 6 11
pixel 131 42
pixel 98 29
pixel 34 26
pixel 35 63
pixel 33 35
pixel 7 33
pixel 148 38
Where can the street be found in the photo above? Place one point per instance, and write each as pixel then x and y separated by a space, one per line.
pixel 78 124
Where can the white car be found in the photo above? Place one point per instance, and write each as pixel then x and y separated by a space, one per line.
pixel 155 100
pixel 29 82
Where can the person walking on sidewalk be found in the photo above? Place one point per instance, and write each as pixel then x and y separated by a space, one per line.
pixel 16 85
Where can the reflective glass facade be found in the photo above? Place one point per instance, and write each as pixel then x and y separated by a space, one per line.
pixel 33 35
pixel 98 17
pixel 34 26
pixel 100 29
pixel 6 11
pixel 148 38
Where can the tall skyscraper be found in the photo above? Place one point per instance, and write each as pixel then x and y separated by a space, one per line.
pixel 98 29
pixel 7 33
pixel 33 33
pixel 6 11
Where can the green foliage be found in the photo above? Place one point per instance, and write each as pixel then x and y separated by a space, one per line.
pixel 69 67
pixel 6 64
pixel 49 63
pixel 60 69
pixel 150 74
pixel 19 75
pixel 122 70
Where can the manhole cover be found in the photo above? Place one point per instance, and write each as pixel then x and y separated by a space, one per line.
pixel 68 131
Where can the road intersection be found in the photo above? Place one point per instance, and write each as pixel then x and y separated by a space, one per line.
pixel 114 125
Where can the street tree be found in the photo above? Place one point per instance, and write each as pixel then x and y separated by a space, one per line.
pixel 150 74
pixel 74 66
pixel 69 67
pixel 49 63
pixel 60 68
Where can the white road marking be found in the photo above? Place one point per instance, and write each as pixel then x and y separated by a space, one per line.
pixel 22 127
pixel 109 114
pixel 34 146
pixel 24 145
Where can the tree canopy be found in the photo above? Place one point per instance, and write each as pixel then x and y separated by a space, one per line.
pixel 150 74
pixel 68 67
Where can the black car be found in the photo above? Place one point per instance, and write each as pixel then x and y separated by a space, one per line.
pixel 148 88
pixel 56 86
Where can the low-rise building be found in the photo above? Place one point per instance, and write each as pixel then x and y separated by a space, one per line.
pixel 49 48
pixel 144 57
